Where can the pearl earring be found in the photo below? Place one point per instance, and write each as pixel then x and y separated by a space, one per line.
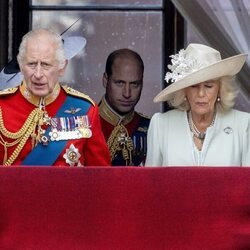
pixel 185 99
pixel 218 99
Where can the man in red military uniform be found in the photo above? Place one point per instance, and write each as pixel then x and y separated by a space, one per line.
pixel 125 130
pixel 42 122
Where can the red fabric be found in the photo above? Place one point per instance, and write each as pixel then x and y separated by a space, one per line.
pixel 124 208
pixel 16 109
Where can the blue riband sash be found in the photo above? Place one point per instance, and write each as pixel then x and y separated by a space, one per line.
pixel 46 155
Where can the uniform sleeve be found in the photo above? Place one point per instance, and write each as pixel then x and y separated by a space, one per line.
pixel 154 157
pixel 96 151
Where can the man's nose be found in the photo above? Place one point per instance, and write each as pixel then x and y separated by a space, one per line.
pixel 38 71
pixel 127 90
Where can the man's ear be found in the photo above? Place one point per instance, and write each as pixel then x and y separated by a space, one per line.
pixel 21 69
pixel 62 70
pixel 105 80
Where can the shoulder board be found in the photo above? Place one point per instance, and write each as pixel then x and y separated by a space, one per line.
pixel 143 116
pixel 8 91
pixel 76 93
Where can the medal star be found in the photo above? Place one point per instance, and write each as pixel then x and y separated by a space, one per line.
pixel 72 155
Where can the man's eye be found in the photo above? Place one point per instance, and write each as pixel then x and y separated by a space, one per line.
pixel 119 83
pixel 136 84
pixel 45 65
pixel 32 64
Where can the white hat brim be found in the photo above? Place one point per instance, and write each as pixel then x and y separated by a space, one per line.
pixel 10 80
pixel 227 67
pixel 73 45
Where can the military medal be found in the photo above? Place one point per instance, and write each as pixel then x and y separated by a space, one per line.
pixel 44 140
pixel 54 136
pixel 84 126
pixel 72 156
pixel 85 132
pixel 68 128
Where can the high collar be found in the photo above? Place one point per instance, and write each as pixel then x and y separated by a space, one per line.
pixel 108 114
pixel 36 100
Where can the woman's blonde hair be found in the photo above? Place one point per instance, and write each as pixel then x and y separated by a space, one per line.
pixel 228 92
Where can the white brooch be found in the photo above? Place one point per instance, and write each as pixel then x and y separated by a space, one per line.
pixel 181 66
pixel 72 156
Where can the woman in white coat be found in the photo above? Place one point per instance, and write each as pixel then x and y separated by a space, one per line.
pixel 203 129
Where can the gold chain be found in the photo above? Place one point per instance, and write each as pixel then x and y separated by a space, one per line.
pixel 120 140
pixel 34 115
pixel 113 142
pixel 20 137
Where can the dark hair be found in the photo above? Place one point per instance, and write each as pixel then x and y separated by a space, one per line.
pixel 121 53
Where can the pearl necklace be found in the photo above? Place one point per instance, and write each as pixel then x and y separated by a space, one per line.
pixel 194 129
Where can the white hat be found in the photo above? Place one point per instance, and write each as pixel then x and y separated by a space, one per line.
pixel 10 76
pixel 10 80
pixel 198 63
pixel 73 45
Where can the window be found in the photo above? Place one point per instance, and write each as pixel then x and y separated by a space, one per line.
pixel 229 24
pixel 137 25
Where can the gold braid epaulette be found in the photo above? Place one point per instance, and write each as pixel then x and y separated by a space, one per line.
pixel 8 91
pixel 20 137
pixel 76 93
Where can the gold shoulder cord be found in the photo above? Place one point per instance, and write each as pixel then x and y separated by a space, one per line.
pixel 20 137
pixel 119 140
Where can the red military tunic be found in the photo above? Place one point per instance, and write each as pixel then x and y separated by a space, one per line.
pixel 126 136
pixel 16 105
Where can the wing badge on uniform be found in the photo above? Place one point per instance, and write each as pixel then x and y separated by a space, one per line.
pixel 72 110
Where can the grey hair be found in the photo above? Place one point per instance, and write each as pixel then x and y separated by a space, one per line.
pixel 228 92
pixel 55 38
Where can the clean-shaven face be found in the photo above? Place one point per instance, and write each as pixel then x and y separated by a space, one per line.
pixel 202 97
pixel 40 68
pixel 124 86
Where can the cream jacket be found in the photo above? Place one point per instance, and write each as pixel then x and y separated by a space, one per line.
pixel 227 142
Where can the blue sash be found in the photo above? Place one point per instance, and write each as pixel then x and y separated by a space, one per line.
pixel 46 155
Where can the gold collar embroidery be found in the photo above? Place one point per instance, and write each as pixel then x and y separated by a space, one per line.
pixel 35 99
pixel 109 115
